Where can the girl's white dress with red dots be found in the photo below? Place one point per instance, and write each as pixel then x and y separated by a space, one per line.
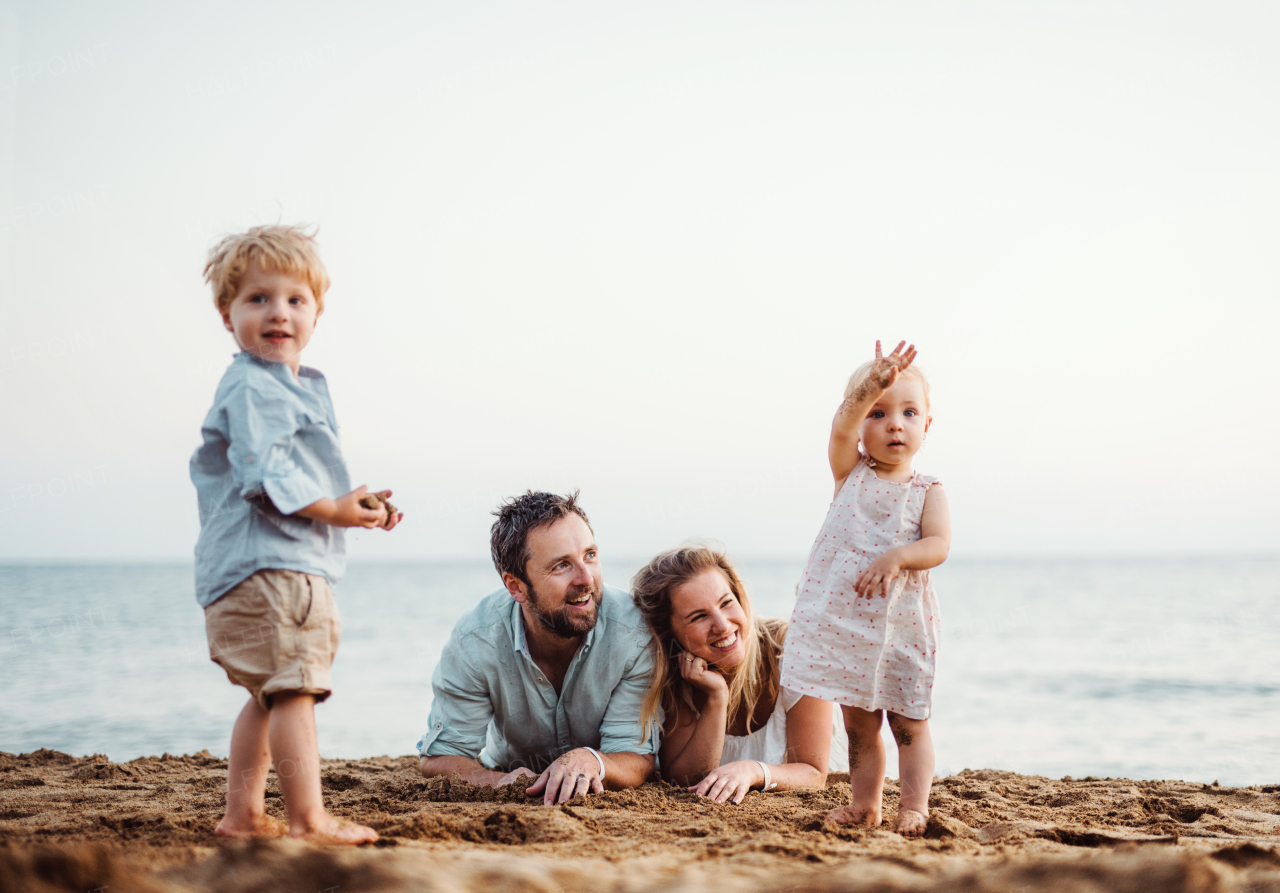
pixel 877 653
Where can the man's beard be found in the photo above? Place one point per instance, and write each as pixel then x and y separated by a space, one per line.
pixel 560 622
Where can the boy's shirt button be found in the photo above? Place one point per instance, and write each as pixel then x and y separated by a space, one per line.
pixel 248 459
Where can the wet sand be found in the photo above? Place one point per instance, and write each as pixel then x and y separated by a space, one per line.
pixel 70 823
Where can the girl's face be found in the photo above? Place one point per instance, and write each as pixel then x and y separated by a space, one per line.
pixel 708 621
pixel 894 429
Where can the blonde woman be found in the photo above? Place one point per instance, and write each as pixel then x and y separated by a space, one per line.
pixel 727 726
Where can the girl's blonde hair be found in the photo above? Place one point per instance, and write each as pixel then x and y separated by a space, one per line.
pixel 863 372
pixel 288 250
pixel 754 678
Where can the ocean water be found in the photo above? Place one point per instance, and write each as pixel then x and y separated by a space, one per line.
pixel 1136 668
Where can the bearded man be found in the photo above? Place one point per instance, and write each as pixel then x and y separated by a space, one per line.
pixel 547 676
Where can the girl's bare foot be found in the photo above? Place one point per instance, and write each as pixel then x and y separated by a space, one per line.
pixel 854 815
pixel 910 823
pixel 260 826
pixel 333 831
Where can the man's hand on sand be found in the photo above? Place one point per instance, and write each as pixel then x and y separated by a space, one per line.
pixel 575 772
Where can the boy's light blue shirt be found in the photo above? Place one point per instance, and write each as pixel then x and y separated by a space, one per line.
pixel 493 704
pixel 270 448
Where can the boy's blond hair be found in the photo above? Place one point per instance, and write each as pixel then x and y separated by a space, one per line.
pixel 289 250
pixel 863 372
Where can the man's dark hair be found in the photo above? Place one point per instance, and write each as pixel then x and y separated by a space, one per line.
pixel 509 536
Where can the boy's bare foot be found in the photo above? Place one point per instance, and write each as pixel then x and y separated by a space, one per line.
pixel 261 826
pixel 854 815
pixel 333 831
pixel 910 823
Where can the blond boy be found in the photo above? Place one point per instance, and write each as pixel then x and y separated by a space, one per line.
pixel 274 498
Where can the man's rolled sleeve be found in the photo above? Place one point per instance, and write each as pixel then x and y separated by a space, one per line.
pixel 620 730
pixel 461 707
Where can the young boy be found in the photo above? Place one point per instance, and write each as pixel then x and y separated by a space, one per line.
pixel 274 496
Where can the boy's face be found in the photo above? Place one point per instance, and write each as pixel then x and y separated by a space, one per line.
pixel 272 316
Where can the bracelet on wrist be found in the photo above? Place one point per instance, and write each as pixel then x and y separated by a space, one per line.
pixel 599 759
pixel 767 784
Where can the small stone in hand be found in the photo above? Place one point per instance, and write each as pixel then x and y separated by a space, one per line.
pixel 374 501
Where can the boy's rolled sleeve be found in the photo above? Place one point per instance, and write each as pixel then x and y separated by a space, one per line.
pixel 620 730
pixel 262 429
pixel 461 708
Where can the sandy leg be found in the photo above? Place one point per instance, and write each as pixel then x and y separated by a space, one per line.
pixel 292 735
pixel 866 769
pixel 247 769
pixel 915 766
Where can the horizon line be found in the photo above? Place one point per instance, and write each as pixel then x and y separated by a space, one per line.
pixel 994 557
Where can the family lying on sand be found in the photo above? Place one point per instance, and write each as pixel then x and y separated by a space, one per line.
pixel 556 676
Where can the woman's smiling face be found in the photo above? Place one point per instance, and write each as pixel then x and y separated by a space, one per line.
pixel 708 621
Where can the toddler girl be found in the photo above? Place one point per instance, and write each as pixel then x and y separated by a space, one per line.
pixel 865 628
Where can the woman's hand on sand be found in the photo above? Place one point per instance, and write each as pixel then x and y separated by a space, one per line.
pixel 730 781
pixel 877 578
pixel 699 673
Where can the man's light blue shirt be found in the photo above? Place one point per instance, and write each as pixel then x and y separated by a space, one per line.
pixel 493 704
pixel 270 448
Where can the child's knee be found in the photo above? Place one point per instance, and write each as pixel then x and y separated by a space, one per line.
pixel 862 721
pixel 905 731
pixel 289 699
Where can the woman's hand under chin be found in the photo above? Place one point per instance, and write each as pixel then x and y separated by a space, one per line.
pixel 700 674
pixel 732 780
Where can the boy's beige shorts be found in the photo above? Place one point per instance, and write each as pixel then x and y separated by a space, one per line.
pixel 276 631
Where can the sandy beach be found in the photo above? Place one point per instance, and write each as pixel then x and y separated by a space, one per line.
pixel 72 823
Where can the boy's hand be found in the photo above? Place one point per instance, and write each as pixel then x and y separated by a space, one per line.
pixel 879 576
pixel 390 516
pixel 346 511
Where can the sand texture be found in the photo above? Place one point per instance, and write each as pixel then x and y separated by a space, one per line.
pixel 87 824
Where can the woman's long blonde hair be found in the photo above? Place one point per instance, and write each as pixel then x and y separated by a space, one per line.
pixel 752 679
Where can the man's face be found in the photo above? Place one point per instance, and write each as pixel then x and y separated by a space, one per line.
pixel 566 580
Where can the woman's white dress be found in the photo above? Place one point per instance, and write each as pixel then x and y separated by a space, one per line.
pixel 769 744
pixel 874 653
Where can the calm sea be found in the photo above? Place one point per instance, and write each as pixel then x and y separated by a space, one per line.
pixel 1145 669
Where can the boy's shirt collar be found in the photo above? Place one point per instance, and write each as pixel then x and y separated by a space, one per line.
pixel 303 371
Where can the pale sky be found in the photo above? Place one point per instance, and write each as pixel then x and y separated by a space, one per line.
pixel 637 248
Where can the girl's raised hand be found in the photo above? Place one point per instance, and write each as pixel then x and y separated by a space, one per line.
pixel 885 370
